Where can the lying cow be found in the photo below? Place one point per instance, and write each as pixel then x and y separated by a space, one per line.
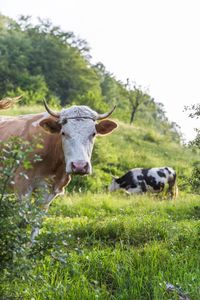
pixel 142 180
pixel 67 139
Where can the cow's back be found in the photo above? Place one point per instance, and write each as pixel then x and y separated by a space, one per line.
pixel 25 126
pixel 154 179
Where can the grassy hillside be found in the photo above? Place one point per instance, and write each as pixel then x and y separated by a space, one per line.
pixel 96 245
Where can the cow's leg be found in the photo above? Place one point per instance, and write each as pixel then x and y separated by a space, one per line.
pixel 45 193
pixel 50 190
pixel 34 233
pixel 174 193
pixel 136 190
pixel 172 190
pixel 48 195
pixel 47 198
pixel 24 188
pixel 43 203
pixel 23 185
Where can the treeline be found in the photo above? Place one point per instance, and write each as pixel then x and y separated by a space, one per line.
pixel 42 61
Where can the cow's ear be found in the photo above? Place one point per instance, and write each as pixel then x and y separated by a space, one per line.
pixel 105 127
pixel 50 125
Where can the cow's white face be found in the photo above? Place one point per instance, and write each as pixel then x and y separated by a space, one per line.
pixel 78 129
pixel 78 140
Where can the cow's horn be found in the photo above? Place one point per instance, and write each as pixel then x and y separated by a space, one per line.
pixel 56 115
pixel 107 114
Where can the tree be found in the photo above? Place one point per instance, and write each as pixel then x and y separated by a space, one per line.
pixel 195 178
pixel 113 91
pixel 29 52
pixel 194 113
pixel 136 98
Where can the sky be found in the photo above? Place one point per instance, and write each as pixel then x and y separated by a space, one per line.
pixel 152 42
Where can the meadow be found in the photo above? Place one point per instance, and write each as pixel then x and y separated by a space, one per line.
pixel 100 246
pixel 97 245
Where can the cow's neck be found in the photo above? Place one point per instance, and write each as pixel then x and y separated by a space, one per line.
pixel 52 153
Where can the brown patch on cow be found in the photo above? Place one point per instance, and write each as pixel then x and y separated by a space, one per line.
pixel 52 165
pixel 51 168
pixel 50 125
pixel 20 126
pixel 105 127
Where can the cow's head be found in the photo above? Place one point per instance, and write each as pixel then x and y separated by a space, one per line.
pixel 78 128
pixel 114 185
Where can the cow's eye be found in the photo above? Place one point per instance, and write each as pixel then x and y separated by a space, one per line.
pixel 66 135
pixel 92 135
pixel 64 121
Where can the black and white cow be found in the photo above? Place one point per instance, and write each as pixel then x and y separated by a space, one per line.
pixel 142 180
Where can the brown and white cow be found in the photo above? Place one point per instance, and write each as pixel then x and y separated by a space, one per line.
pixel 67 138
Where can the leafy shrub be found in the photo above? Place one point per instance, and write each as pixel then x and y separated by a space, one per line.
pixel 34 97
pixel 195 178
pixel 17 218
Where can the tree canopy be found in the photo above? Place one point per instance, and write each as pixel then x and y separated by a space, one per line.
pixel 42 61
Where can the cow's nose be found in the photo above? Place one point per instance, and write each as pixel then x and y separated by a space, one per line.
pixel 80 167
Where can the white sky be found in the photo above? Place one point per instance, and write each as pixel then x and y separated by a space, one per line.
pixel 154 42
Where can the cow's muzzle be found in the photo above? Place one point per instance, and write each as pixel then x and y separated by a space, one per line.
pixel 80 167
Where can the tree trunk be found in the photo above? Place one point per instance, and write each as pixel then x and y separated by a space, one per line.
pixel 133 114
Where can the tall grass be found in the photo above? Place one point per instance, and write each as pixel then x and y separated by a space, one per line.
pixel 115 247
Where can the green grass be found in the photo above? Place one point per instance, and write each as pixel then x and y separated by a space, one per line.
pixel 116 247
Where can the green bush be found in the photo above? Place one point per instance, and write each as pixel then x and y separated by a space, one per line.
pixel 17 218
pixel 195 178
